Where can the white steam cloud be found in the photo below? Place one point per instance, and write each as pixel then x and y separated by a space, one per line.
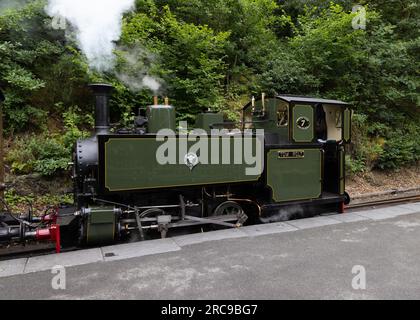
pixel 285 214
pixel 98 25
pixel 151 83
pixel 136 69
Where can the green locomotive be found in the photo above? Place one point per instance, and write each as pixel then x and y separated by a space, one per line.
pixel 158 177
pixel 284 159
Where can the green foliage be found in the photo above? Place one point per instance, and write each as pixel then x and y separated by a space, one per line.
pixel 375 69
pixel 401 148
pixel 19 203
pixel 354 166
pixel 191 59
pixel 216 54
pixel 47 154
pixel 73 121
pixel 44 155
pixel 377 145
pixel 286 73
pixel 365 150
pixel 36 70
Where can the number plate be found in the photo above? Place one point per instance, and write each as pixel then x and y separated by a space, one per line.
pixel 299 154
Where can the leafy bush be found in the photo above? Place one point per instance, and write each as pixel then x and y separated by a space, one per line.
pixel 40 154
pixel 401 148
pixel 37 70
pixel 365 150
pixel 19 203
pixel 377 145
pixel 354 166
pixel 190 58
pixel 47 154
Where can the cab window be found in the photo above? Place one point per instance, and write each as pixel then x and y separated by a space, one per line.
pixel 282 114
pixel 334 117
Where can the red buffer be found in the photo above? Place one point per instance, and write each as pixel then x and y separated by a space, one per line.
pixel 50 234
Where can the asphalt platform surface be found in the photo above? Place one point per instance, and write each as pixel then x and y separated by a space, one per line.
pixel 373 254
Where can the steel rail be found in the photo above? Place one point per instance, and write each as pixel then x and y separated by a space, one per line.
pixel 405 199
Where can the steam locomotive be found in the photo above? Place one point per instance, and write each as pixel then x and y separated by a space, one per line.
pixel 155 179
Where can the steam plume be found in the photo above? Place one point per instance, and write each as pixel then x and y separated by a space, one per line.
pixel 285 214
pixel 136 69
pixel 98 25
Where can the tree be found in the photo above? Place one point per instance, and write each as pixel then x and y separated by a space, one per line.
pixel 37 70
pixel 189 58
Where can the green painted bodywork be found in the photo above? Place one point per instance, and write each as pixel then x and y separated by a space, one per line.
pixel 131 164
pixel 101 226
pixel 206 120
pixel 307 112
pixel 293 179
pixel 347 125
pixel 161 117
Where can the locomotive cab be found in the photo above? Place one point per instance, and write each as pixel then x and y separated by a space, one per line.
pixel 305 142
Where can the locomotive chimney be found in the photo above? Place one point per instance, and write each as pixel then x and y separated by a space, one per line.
pixel 102 94
pixel 155 100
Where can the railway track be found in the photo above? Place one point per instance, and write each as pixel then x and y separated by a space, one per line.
pixel 381 202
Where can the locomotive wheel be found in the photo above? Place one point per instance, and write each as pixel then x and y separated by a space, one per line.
pixel 228 208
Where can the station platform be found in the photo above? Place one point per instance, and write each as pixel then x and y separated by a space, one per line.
pixel 303 259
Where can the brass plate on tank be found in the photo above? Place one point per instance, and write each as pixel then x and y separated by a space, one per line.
pixel 299 154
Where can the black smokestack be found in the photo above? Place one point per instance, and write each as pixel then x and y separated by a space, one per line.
pixel 102 94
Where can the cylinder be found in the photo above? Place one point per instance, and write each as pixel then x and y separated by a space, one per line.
pixel 102 93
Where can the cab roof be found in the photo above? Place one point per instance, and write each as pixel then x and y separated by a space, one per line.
pixel 305 100
pixel 300 99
